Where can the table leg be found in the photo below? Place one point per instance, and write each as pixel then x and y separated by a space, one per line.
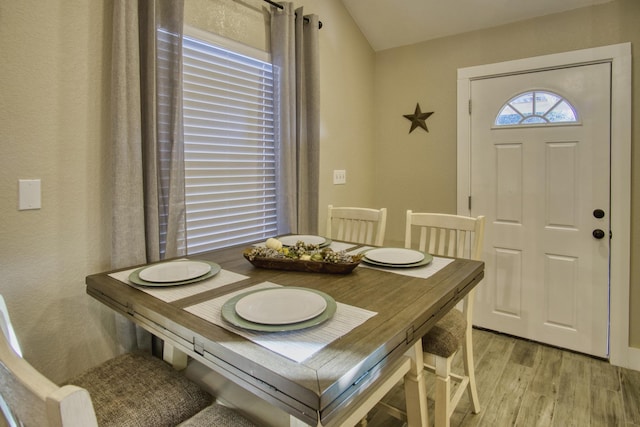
pixel 415 389
pixel 295 422
pixel 175 357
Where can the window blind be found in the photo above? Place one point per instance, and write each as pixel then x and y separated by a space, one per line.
pixel 230 157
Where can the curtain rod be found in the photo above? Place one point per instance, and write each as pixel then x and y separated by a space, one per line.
pixel 279 6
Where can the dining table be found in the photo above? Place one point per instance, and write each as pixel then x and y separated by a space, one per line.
pixel 324 374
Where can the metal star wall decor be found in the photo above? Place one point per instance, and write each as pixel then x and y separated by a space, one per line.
pixel 418 119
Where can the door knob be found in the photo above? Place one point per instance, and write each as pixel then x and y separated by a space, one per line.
pixel 598 234
pixel 598 213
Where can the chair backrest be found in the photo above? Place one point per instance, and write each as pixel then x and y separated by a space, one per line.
pixel 448 235
pixel 358 225
pixel 32 398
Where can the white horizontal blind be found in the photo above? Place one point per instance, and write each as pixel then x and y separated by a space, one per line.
pixel 167 103
pixel 229 147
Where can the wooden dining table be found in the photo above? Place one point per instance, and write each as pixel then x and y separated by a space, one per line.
pixel 328 386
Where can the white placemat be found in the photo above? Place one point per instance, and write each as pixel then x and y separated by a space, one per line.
pixel 420 272
pixel 424 272
pixel 341 246
pixel 295 345
pixel 174 293
pixel 361 249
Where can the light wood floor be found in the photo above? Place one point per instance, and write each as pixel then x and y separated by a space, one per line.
pixel 522 383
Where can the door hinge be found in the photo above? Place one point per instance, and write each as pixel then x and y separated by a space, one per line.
pixel 469 200
pixel 469 106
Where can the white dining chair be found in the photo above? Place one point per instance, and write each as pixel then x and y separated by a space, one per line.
pixel 129 390
pixel 460 237
pixel 357 225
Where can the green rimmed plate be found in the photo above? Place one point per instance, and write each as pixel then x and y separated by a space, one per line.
pixel 292 239
pixel 230 315
pixel 394 256
pixel 134 277
pixel 425 261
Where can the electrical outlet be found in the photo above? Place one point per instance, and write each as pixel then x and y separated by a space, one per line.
pixel 340 176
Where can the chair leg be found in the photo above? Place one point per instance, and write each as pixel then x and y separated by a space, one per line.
pixel 467 356
pixel 415 390
pixel 443 391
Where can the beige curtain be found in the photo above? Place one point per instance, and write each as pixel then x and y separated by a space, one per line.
pixel 295 55
pixel 147 139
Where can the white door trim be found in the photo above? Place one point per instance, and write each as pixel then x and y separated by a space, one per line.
pixel 621 354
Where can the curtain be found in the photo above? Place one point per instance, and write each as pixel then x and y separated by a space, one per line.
pixel 295 55
pixel 148 213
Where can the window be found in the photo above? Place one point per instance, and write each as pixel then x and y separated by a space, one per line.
pixel 230 156
pixel 536 108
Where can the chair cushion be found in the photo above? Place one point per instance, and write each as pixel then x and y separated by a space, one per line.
pixel 138 390
pixel 217 415
pixel 446 336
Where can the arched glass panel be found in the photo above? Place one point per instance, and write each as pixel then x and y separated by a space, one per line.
pixel 536 107
pixel 533 120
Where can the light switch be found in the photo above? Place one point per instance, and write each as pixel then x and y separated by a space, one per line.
pixel 339 176
pixel 28 194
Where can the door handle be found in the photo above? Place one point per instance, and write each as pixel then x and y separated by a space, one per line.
pixel 598 234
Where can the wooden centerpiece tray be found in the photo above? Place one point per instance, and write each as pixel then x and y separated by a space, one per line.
pixel 302 265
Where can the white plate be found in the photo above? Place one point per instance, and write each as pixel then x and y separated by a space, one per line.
pixel 308 240
pixel 394 256
pixel 174 271
pixel 280 306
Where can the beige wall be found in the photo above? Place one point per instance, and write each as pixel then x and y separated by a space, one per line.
pixel 54 110
pixel 423 164
pixel 54 126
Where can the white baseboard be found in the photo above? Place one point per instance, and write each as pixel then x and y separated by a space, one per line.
pixel 630 359
pixel 633 359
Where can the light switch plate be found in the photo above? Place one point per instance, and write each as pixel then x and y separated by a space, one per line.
pixel 29 194
pixel 340 176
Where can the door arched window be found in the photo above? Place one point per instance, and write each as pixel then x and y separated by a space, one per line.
pixel 536 107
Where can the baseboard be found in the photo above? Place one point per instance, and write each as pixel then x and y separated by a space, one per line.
pixel 633 359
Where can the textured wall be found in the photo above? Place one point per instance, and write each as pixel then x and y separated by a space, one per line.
pixel 240 21
pixel 424 164
pixel 54 110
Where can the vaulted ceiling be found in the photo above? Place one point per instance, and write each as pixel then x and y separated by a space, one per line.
pixel 391 23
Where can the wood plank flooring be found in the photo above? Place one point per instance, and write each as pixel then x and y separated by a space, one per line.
pixel 523 383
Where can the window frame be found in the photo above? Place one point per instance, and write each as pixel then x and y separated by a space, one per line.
pixel 522 124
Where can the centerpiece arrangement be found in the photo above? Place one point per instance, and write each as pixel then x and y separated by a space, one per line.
pixel 301 257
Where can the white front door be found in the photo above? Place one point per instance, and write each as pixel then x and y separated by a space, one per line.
pixel 544 188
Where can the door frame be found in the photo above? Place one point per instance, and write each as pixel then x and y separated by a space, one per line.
pixel 619 55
